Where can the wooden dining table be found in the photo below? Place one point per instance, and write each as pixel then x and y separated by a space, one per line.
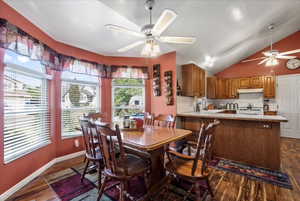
pixel 152 140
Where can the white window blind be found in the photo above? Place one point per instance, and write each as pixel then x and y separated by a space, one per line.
pixel 26 113
pixel 77 98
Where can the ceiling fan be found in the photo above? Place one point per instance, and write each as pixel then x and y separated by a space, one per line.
pixel 271 57
pixel 151 33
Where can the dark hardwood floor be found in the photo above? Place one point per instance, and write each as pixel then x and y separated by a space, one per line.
pixel 227 186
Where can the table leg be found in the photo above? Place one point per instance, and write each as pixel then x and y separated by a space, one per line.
pixel 157 166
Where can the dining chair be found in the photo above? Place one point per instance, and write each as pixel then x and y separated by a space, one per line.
pixel 193 143
pixel 193 169
pixel 148 119
pixel 164 120
pixel 95 115
pixel 91 144
pixel 122 166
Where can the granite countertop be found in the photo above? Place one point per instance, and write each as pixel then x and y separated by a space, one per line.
pixel 246 117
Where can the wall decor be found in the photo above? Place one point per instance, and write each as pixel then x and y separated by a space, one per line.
pixel 168 77
pixel 156 80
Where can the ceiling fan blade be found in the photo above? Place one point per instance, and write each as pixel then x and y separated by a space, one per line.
pixel 133 45
pixel 285 57
pixel 263 61
pixel 177 40
pixel 113 27
pixel 253 59
pixel 165 19
pixel 290 52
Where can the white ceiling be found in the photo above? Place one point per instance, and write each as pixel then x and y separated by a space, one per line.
pixel 226 30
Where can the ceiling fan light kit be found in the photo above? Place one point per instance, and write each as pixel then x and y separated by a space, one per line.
pixel 151 33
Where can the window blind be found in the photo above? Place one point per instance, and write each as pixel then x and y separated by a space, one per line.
pixel 77 99
pixel 26 114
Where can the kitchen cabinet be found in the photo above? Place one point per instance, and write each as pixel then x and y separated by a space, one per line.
pixel 269 85
pixel 211 87
pixel 193 80
pixel 233 86
pixel 245 83
pixel 220 88
pixel 256 82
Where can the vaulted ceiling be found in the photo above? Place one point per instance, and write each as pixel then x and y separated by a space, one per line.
pixel 226 30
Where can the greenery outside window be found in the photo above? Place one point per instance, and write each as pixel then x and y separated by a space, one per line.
pixel 128 97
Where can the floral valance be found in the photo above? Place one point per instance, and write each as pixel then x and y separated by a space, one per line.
pixel 15 39
pixel 140 72
pixel 18 41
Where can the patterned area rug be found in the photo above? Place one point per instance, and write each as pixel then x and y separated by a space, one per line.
pixel 68 187
pixel 270 176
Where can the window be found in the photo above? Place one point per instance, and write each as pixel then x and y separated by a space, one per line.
pixel 26 112
pixel 128 98
pixel 78 97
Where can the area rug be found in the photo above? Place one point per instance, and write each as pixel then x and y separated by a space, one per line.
pixel 270 176
pixel 68 187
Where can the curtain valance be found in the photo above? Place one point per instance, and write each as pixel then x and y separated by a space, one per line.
pixel 140 72
pixel 18 41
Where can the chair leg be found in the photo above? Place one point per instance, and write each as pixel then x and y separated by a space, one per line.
pixel 101 191
pixel 209 187
pixel 85 169
pixel 99 175
pixel 198 191
pixel 122 194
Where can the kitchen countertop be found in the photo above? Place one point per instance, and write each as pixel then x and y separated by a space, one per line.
pixel 246 117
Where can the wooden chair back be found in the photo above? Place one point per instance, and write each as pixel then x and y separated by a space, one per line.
pixel 110 141
pixel 148 119
pixel 163 120
pixel 95 115
pixel 204 143
pixel 90 142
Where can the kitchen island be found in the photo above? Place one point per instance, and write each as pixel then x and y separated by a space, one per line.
pixel 250 139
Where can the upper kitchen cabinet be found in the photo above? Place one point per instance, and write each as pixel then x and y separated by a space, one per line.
pixel 269 85
pixel 233 86
pixel 193 80
pixel 245 83
pixel 211 87
pixel 257 82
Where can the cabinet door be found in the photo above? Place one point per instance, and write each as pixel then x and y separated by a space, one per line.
pixel 221 88
pixel 233 87
pixel 211 87
pixel 257 82
pixel 202 82
pixel 244 83
pixel 196 81
pixel 269 86
pixel 187 81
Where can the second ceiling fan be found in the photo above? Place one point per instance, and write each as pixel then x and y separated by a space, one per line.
pixel 150 34
pixel 271 57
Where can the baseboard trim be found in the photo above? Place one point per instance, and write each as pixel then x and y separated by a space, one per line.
pixel 35 174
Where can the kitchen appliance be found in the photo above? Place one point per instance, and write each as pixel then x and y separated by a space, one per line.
pixel 245 91
pixel 251 110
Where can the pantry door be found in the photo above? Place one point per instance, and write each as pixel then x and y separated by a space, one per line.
pixel 288 99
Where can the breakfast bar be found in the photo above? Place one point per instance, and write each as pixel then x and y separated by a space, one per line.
pixel 250 139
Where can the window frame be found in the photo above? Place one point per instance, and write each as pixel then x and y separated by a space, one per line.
pixel 98 102
pixel 45 78
pixel 142 86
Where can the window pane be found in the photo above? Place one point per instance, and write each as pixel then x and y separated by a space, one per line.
pixel 26 116
pixel 77 99
pixel 128 98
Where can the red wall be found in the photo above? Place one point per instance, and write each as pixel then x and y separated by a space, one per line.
pixel 158 103
pixel 291 42
pixel 17 170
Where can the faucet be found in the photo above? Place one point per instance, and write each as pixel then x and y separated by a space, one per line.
pixel 249 106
